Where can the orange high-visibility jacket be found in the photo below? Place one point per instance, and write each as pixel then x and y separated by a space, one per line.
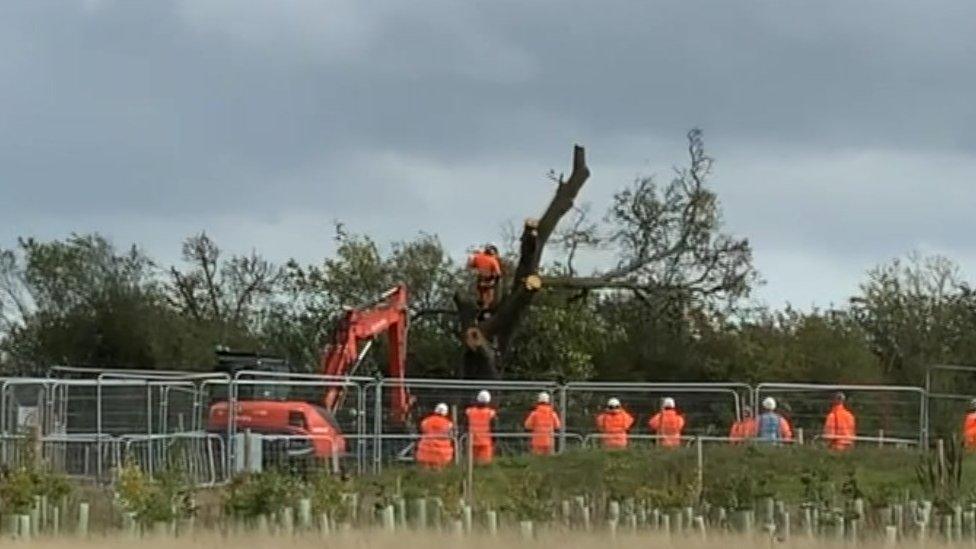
pixel 839 428
pixel 479 424
pixel 785 429
pixel 969 431
pixel 743 429
pixel 668 424
pixel 613 425
pixel 436 447
pixel 543 421
pixel 486 265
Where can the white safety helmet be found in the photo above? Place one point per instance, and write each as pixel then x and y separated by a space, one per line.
pixel 613 403
pixel 769 403
pixel 484 397
pixel 667 402
pixel 543 398
pixel 441 409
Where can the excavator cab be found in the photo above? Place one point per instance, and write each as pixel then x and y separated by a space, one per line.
pixel 291 421
pixel 231 362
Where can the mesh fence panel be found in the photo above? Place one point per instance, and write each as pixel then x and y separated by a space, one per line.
pixel 895 412
pixel 950 389
pixel 707 410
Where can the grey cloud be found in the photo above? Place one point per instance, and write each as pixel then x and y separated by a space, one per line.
pixel 842 130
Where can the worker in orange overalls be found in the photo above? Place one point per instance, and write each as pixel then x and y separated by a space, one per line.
pixel 480 417
pixel 488 270
pixel 613 424
pixel 667 424
pixel 543 421
pixel 969 428
pixel 840 427
pixel 436 447
pixel 743 429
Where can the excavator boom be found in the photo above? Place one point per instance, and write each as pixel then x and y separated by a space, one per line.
pixel 387 315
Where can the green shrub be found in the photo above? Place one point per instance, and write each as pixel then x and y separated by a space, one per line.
pixel 263 493
pixel 326 492
pixel 19 486
pixel 162 498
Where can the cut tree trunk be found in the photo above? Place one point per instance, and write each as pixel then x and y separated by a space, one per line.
pixel 486 342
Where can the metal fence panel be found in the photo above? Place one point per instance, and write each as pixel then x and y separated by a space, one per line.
pixel 949 389
pixel 893 411
pixel 708 408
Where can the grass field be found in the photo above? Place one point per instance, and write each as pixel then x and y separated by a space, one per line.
pixel 411 540
pixel 794 475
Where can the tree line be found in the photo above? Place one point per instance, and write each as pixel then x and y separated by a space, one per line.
pixel 674 304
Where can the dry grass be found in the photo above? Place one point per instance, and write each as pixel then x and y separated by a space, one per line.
pixel 414 540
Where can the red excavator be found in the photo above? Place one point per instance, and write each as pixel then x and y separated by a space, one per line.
pixel 348 343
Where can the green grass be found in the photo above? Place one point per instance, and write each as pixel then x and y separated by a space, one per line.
pixel 732 476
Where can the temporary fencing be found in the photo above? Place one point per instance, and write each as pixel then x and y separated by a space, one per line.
pixel 949 389
pixel 90 424
pixel 708 408
pixel 893 411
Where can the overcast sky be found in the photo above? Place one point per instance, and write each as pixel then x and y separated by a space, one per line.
pixel 844 132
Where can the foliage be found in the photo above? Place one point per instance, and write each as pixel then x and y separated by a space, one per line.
pixel 917 312
pixel 941 477
pixel 530 495
pixel 355 275
pixel 225 292
pixel 19 486
pixel 560 342
pixel 670 242
pixel 262 493
pixel 160 498
pixel 326 492
pixel 81 302
pixel 819 490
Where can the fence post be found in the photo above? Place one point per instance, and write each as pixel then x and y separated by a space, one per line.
pixel 492 518
pixel 940 447
pixel 83 518
pixel 378 427
pixel 701 465
pixel 563 399
pixel 467 518
pixel 389 518
pixel 24 528
pixel 304 513
pixel 469 484
pixel 420 513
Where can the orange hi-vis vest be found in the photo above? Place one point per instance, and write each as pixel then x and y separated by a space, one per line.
pixel 743 429
pixel 839 428
pixel 668 424
pixel 486 265
pixel 543 421
pixel 613 425
pixel 969 432
pixel 479 429
pixel 436 447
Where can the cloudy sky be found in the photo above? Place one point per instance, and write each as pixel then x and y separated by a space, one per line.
pixel 844 132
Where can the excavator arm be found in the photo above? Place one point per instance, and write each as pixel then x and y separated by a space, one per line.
pixel 356 327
